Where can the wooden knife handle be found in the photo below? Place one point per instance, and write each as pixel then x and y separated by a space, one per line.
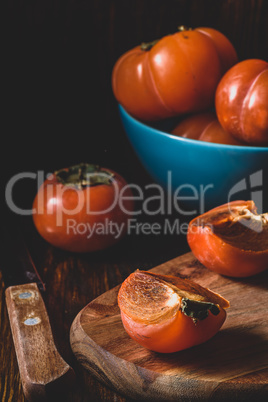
pixel 43 371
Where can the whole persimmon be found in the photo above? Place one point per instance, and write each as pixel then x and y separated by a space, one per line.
pixel 241 101
pixel 78 208
pixel 204 127
pixel 176 74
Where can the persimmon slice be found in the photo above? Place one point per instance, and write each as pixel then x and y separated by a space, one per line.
pixel 231 239
pixel 167 313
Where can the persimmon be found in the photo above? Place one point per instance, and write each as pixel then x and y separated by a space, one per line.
pixel 167 313
pixel 81 208
pixel 174 75
pixel 231 239
pixel 204 127
pixel 241 101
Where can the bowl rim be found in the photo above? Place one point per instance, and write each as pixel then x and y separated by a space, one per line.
pixel 205 144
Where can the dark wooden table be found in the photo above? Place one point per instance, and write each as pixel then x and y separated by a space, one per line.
pixel 72 281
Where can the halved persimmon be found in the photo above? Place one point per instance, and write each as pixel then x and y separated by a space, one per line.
pixel 167 314
pixel 231 239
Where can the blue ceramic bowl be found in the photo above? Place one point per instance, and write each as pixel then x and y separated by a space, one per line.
pixel 198 175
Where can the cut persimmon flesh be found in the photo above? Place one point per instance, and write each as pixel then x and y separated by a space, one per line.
pixel 167 314
pixel 231 239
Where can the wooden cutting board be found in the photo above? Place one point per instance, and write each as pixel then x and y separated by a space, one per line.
pixel 233 365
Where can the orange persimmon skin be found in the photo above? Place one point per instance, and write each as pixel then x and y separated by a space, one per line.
pixel 221 257
pixel 241 101
pixel 178 74
pixel 204 127
pixel 161 312
pixel 174 334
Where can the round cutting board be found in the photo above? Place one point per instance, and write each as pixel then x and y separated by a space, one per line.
pixel 233 365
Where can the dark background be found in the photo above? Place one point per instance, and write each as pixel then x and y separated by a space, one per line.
pixel 58 56
pixel 58 109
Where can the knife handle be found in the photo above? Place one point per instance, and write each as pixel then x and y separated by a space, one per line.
pixel 43 371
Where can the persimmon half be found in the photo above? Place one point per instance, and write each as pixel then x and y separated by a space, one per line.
pixel 167 314
pixel 231 239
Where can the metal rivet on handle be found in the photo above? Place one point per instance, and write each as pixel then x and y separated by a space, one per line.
pixel 25 295
pixel 32 321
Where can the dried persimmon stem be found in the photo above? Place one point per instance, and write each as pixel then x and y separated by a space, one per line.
pixel 198 310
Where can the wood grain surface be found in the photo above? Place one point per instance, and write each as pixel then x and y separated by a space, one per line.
pixel 234 362
pixel 43 372
pixel 72 281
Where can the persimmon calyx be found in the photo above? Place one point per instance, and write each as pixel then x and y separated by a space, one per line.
pixel 84 175
pixel 198 310
pixel 191 306
pixel 150 298
pixel 146 46
pixel 183 28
